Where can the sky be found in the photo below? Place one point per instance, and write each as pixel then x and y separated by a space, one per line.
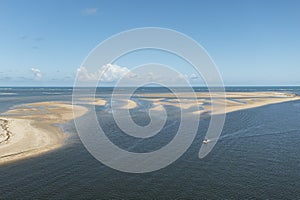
pixel 253 42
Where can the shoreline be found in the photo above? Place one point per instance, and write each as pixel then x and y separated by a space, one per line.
pixel 267 98
pixel 32 129
pixel 234 101
pixel 261 104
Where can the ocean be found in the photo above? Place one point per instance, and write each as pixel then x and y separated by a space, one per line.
pixel 256 157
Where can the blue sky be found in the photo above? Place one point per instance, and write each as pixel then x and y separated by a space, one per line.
pixel 253 42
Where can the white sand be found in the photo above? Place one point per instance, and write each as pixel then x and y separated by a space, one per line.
pixel 234 101
pixel 94 101
pixel 130 104
pixel 32 131
pixel 29 130
pixel 253 100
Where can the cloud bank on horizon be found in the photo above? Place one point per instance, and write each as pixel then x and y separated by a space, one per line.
pixel 110 74
pixel 107 73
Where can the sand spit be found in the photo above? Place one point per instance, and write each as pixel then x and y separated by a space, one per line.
pixel 94 101
pixel 234 101
pixel 30 130
pixel 130 104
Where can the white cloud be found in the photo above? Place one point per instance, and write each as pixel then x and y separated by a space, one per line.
pixel 89 11
pixel 194 76
pixel 107 73
pixel 37 73
pixel 111 73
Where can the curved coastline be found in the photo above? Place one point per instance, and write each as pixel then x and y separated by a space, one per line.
pixel 29 130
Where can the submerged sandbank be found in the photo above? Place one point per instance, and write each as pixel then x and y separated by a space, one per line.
pixel 197 103
pixel 234 101
pixel 29 130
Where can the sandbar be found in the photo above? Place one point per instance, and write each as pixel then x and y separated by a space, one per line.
pixel 233 101
pixel 30 129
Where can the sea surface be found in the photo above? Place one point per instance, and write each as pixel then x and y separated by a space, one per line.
pixel 257 156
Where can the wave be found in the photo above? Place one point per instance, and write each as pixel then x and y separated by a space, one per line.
pixel 238 134
pixel 8 93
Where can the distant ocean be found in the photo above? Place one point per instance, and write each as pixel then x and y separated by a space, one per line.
pixel 257 156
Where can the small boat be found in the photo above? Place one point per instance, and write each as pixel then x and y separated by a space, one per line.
pixel 206 141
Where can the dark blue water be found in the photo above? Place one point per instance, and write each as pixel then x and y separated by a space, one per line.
pixel 257 156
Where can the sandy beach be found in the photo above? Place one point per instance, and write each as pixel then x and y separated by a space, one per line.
pixel 29 130
pixel 234 101
pixel 94 101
